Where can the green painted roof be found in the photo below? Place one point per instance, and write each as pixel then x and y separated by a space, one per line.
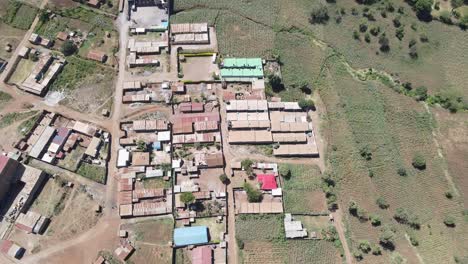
pixel 242 67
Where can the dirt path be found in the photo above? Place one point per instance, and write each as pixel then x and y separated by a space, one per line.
pixel 338 223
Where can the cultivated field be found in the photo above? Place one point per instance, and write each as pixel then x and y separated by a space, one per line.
pixel 17 14
pixel 302 192
pixel 261 240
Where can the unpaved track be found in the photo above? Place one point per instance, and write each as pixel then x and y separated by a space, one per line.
pixel 341 233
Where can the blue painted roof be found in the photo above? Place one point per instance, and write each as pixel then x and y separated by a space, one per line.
pixel 190 235
pixel 157 145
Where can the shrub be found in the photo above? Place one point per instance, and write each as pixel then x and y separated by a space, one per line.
pixel 419 162
pixel 330 233
pixel 396 21
pixel 384 43
pixel 420 94
pixel 382 203
pixel 364 246
pixel 402 171
pixel 68 48
pixel 365 152
pixel 319 15
pixel 187 198
pixel 363 27
pixel 356 34
pixel 276 83
pixel 307 104
pixel 376 249
pixel 247 166
pixel 413 240
pixel 254 195
pixel 445 17
pixel 141 145
pixel 423 38
pixel 375 220
pixel 357 255
pixel 400 33
pixel 386 239
pixel 449 195
pixel 224 178
pixel 285 172
pixel 423 8
pixel 457 3
pixel 375 30
pixel 411 43
pixel 449 221
pixel 413 52
pixel 401 216
pixel 464 22
pixel 367 37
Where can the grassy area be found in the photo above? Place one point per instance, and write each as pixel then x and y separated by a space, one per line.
pixel 25 127
pixel 51 27
pixel 261 240
pixel 92 172
pixel 10 118
pixel 22 71
pixel 4 99
pixel 97 20
pixel 50 201
pixel 72 159
pixel 156 183
pixel 97 40
pixel 302 192
pixel 74 73
pixel 19 15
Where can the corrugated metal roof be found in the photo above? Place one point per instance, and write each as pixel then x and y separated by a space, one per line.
pixel 190 235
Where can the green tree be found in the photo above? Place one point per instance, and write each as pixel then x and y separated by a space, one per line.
pixel 402 171
pixel 141 145
pixel 319 15
pixel 357 255
pixel 276 83
pixel 254 195
pixel 68 48
pixel 376 249
pixel 387 238
pixel 247 166
pixel 187 198
pixel 224 178
pixel 449 221
pixel 464 22
pixel 419 162
pixel 382 203
pixel 423 8
pixel 307 104
pixel 364 246
pixel 375 220
pixel 384 43
pixel 420 93
pixel 285 172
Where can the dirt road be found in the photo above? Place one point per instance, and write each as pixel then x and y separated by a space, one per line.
pixel 338 223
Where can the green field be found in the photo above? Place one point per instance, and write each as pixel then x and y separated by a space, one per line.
pixel 302 192
pixel 4 99
pixel 10 118
pixel 261 240
pixel 92 172
pixel 19 15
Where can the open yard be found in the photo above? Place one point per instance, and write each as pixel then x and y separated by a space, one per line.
pixel 261 240
pixel 86 84
pixel 98 41
pixel 302 192
pixel 198 68
pixel 72 159
pixel 22 71
pixel 93 172
pixel 152 239
pixel 10 35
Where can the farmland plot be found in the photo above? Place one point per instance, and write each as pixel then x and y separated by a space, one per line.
pixel 393 128
pixel 261 238
pixel 302 193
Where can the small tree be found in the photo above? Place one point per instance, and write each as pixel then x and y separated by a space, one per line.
pixel 423 8
pixel 401 215
pixel 449 221
pixel 382 203
pixel 375 220
pixel 319 15
pixel 365 152
pixel 276 83
pixel 384 43
pixel 68 48
pixel 187 198
pixel 141 145
pixel 307 104
pixel 254 195
pixel 364 246
pixel 357 255
pixel 285 172
pixel 386 239
pixel 33 56
pixel 247 166
pixel 419 162
pixel 224 178
pixel 376 249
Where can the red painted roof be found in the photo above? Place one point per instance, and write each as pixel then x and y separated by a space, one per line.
pixel 3 162
pixel 202 255
pixel 268 181
pixel 5 245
